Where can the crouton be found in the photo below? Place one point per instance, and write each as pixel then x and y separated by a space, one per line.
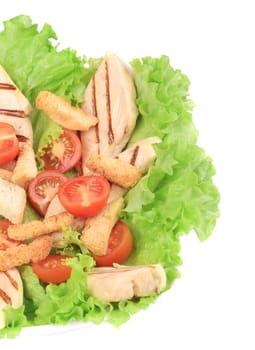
pixel 25 169
pixel 40 227
pixel 97 230
pixel 63 113
pixel 37 250
pixel 115 170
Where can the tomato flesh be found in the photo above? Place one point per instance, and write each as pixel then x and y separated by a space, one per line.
pixel 53 269
pixel 64 153
pixel 43 188
pixel 84 196
pixel 119 247
pixel 5 241
pixel 9 144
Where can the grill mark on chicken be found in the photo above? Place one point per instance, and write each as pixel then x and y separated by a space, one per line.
pixel 134 155
pixel 22 138
pixel 94 106
pixel 108 104
pixel 12 112
pixel 12 280
pixel 6 86
pixel 5 297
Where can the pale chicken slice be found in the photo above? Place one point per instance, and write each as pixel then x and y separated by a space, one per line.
pixel 96 233
pixel 11 292
pixel 126 282
pixel 26 168
pixel 110 96
pixel 13 201
pixel 22 126
pixel 142 155
pixel 12 101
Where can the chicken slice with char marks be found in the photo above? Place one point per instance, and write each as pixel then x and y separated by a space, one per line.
pixel 12 101
pixel 125 282
pixel 110 96
pixel 141 155
pixel 11 292
pixel 22 126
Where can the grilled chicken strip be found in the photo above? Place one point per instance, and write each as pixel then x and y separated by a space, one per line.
pixel 13 200
pixel 11 292
pixel 25 169
pixel 22 254
pixel 12 101
pixel 63 113
pixel 22 126
pixel 96 232
pixel 110 97
pixel 125 282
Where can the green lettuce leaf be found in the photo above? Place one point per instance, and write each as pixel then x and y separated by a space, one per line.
pixel 33 59
pixel 177 195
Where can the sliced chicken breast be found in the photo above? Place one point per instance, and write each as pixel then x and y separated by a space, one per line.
pixel 110 96
pixel 22 126
pixel 125 282
pixel 13 201
pixel 141 155
pixel 11 292
pixel 12 101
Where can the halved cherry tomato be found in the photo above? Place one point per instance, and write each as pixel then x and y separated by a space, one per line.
pixel 53 269
pixel 119 247
pixel 5 241
pixel 62 154
pixel 43 188
pixel 84 196
pixel 9 144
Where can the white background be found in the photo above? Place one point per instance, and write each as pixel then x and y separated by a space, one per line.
pixel 212 305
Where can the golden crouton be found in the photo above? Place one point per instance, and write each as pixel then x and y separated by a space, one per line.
pixel 25 169
pixel 40 227
pixel 63 113
pixel 115 170
pixel 96 233
pixel 22 254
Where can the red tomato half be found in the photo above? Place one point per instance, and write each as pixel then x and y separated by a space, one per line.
pixel 119 247
pixel 5 241
pixel 53 269
pixel 62 154
pixel 43 188
pixel 9 144
pixel 84 196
